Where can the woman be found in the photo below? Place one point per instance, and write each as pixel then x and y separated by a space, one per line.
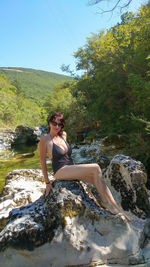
pixel 55 146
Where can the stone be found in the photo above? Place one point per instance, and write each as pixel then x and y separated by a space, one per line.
pixel 40 131
pixel 69 227
pixel 24 135
pixel 127 179
pixel 89 154
pixel 6 138
pixel 22 187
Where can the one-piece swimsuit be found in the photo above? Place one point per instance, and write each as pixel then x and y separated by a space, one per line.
pixel 60 157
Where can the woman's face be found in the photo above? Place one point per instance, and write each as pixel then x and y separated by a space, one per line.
pixel 56 125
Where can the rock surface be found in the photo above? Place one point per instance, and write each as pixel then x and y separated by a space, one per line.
pixel 89 154
pixel 69 227
pixel 40 131
pixel 24 135
pixel 6 138
pixel 20 138
pixel 127 178
pixel 22 187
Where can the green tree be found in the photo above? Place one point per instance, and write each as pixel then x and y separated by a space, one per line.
pixel 60 99
pixel 15 108
pixel 112 61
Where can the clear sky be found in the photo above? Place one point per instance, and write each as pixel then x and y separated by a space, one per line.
pixel 44 34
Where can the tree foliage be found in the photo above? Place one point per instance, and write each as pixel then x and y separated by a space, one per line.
pixel 116 83
pixel 60 99
pixel 15 109
pixel 116 73
pixel 35 84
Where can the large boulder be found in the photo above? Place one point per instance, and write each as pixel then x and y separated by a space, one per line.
pixel 127 179
pixel 90 153
pixel 22 187
pixel 24 135
pixel 6 138
pixel 40 131
pixel 69 227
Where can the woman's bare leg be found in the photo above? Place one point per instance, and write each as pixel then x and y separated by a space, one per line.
pixel 90 173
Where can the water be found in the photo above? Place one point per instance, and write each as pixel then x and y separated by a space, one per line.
pixel 24 157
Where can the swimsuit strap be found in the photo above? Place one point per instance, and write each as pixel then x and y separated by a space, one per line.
pixel 60 137
pixel 59 146
pixel 64 140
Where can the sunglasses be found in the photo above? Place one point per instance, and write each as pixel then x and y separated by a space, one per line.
pixel 55 124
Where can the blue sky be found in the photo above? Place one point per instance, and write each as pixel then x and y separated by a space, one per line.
pixel 44 34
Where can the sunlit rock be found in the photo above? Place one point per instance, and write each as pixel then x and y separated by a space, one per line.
pixel 70 227
pixel 89 154
pixel 40 131
pixel 6 138
pixel 127 179
pixel 22 187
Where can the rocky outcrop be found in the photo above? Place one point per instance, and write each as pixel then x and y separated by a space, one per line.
pixel 20 138
pixel 69 227
pixel 6 138
pixel 40 131
pixel 24 135
pixel 90 153
pixel 22 187
pixel 127 178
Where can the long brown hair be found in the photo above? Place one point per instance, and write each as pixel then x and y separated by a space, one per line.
pixel 60 116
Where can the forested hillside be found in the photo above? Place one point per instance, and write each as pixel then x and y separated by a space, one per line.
pixel 15 108
pixel 35 84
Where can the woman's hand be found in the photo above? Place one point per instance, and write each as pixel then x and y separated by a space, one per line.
pixel 48 188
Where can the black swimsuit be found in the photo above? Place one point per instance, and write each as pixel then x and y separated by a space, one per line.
pixel 61 157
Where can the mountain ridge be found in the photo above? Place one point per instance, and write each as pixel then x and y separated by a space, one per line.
pixel 35 84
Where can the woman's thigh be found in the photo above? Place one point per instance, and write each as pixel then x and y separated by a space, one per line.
pixel 83 172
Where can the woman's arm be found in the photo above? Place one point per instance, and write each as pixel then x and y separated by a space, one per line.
pixel 42 148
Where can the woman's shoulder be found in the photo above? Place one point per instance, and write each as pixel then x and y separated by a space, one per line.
pixel 64 135
pixel 45 138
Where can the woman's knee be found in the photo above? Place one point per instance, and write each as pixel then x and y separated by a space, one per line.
pixel 95 173
pixel 96 169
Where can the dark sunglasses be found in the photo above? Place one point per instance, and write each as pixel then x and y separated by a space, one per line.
pixel 55 124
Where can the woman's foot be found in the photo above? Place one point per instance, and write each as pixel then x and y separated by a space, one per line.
pixel 114 210
pixel 106 205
